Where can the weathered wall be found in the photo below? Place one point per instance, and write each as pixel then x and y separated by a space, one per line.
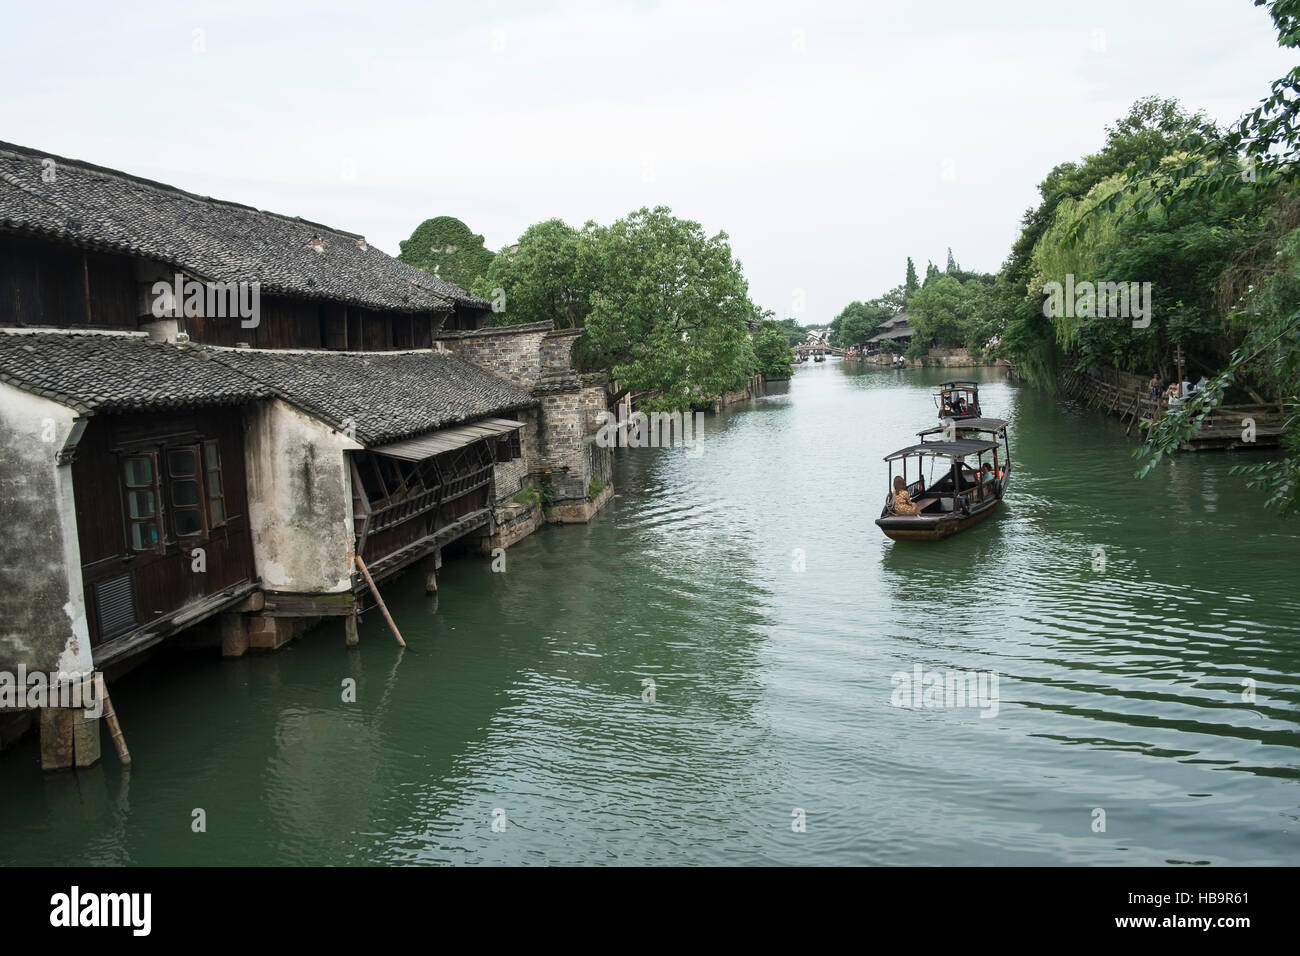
pixel 513 352
pixel 955 358
pixel 299 500
pixel 561 447
pixel 42 604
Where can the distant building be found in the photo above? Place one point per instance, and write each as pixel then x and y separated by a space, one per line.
pixel 896 329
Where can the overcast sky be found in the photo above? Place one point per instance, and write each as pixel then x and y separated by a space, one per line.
pixel 830 141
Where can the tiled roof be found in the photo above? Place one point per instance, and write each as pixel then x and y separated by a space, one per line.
pixel 116 372
pixel 383 395
pixel 104 209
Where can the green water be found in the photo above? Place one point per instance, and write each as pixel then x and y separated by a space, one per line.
pixel 1120 688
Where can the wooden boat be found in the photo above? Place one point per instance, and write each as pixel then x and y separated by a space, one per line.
pixel 958 399
pixel 819 357
pixel 958 499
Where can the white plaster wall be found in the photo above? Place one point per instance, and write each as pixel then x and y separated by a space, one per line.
pixel 299 499
pixel 42 598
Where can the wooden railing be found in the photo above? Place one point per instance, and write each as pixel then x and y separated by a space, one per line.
pixel 404 510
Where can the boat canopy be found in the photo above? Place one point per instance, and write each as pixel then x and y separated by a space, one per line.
pixel 977 424
pixel 961 448
pixel 960 383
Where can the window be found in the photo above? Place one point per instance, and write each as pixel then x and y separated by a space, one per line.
pixel 216 493
pixel 138 475
pixel 507 447
pixel 187 506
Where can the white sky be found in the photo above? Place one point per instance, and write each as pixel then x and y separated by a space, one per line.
pixel 830 141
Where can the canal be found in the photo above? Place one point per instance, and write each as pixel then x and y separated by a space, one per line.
pixel 750 585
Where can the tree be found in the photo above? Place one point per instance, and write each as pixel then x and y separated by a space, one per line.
pixel 952 263
pixel 856 322
pixel 1261 289
pixel 772 351
pixel 939 312
pixel 445 247
pixel 539 278
pixel 912 283
pixel 669 307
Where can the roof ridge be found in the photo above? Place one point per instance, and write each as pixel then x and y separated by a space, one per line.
pixel 165 187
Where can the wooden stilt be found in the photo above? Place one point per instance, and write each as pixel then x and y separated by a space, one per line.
pixel 110 718
pixel 350 629
pixel 383 608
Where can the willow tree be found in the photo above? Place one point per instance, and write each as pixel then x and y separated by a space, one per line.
pixel 669 306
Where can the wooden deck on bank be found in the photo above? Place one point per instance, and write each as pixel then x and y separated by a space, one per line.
pixel 1225 428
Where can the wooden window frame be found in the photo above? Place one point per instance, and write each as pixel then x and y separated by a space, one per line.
pixel 157 519
pixel 208 471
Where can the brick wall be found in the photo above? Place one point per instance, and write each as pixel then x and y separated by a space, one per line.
pixel 512 352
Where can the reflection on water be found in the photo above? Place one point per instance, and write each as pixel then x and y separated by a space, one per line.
pixel 1120 678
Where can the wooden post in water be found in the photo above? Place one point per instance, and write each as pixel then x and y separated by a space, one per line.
pixel 365 573
pixel 110 718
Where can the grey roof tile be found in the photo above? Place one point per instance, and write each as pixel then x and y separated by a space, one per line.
pixel 97 208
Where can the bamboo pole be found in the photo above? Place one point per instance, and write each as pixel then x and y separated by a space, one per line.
pixel 378 599
pixel 110 718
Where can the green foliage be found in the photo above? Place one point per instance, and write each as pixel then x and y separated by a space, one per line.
pixel 668 308
pixel 594 488
pixel 1211 218
pixel 857 321
pixel 539 278
pixel 772 351
pixel 943 313
pixel 528 495
pixel 445 247
pixel 911 284
pixel 791 329
pixel 546 491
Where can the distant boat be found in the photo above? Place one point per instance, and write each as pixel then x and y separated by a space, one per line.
pixel 819 357
pixel 959 498
pixel 958 399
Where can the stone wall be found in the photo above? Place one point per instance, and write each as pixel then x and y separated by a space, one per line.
pixel 954 358
pixel 513 352
pixel 754 389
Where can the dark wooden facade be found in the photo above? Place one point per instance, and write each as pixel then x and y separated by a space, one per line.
pixel 48 284
pixel 150 490
pixel 297 324
pixel 45 284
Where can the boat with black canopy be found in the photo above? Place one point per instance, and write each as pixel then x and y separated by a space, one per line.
pixel 987 429
pixel 965 486
pixel 958 399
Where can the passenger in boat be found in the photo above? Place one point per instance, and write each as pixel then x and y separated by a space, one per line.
pixel 987 478
pixel 903 503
